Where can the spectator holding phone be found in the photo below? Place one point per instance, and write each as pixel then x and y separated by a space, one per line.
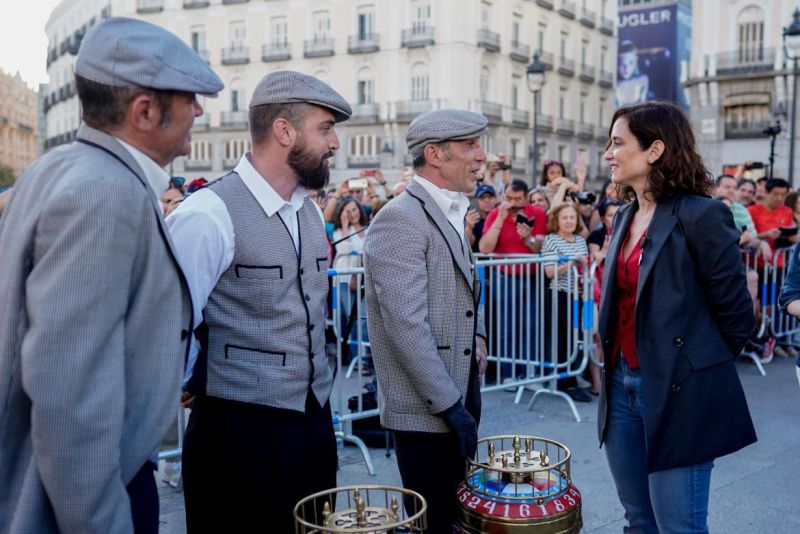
pixel 514 227
pixel 772 215
pixel 498 172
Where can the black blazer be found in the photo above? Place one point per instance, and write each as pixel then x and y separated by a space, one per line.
pixel 693 316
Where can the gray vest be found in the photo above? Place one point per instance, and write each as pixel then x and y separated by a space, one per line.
pixel 266 315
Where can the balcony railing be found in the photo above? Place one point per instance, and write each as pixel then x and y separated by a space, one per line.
pixel 149 6
pixel 588 18
pixel 606 79
pixel 746 130
pixel 370 160
pixel 567 9
pixel 565 126
pixel 520 117
pixel 491 110
pixel 545 3
pixel 235 2
pixel 585 131
pixel 587 73
pixel 547 59
pixel 194 4
pixel 276 52
pixel 197 164
pixel 606 26
pixel 601 133
pixel 566 67
pixel 236 55
pixel 233 119
pixel 364 113
pixel 363 44
pixel 544 123
pixel 321 46
pixel 520 52
pixel 488 40
pixel 409 109
pixel 417 36
pixel 746 60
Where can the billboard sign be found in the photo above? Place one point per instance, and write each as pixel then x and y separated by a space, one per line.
pixel 653 54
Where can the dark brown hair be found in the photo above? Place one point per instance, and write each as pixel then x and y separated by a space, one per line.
pixel 552 218
pixel 680 168
pixel 261 118
pixel 104 106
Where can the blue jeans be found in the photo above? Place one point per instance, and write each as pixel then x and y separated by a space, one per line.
pixel 665 502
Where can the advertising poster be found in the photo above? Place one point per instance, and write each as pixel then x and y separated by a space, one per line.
pixel 653 54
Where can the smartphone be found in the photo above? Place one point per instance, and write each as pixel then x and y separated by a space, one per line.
pixel 521 219
pixel 755 165
pixel 786 232
pixel 357 183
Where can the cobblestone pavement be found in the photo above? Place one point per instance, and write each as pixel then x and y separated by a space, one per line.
pixel 753 491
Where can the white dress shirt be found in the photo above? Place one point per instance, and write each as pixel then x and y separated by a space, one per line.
pixel 453 204
pixel 202 232
pixel 157 177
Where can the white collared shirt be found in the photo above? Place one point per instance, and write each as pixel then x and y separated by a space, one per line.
pixel 453 204
pixel 202 232
pixel 157 177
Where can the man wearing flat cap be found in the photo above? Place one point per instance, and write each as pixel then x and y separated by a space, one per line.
pixel 94 309
pixel 428 343
pixel 260 436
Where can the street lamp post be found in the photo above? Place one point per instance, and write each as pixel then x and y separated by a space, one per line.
pixel 791 50
pixel 535 73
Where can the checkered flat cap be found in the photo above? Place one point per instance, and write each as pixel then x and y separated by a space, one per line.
pixel 290 87
pixel 442 125
pixel 125 52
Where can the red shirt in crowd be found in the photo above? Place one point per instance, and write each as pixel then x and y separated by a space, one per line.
pixel 508 242
pixel 765 219
pixel 627 278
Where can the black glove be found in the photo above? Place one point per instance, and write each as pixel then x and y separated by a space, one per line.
pixel 463 427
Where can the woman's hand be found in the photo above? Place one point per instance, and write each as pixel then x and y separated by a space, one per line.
pixel 345 221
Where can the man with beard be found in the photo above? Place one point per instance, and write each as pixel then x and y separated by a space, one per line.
pixel 255 253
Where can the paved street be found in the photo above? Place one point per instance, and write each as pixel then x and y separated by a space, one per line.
pixel 753 491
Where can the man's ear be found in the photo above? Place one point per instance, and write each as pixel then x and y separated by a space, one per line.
pixel 432 156
pixel 283 132
pixel 144 113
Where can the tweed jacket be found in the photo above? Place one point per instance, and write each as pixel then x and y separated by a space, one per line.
pixel 422 297
pixel 95 318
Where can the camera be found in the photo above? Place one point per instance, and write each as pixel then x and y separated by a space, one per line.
pixel 584 197
pixel 772 131
pixel 503 166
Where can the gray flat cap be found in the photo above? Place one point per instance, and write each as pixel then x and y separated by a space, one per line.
pixel 124 52
pixel 289 87
pixel 442 125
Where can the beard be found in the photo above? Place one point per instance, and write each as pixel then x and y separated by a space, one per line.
pixel 312 171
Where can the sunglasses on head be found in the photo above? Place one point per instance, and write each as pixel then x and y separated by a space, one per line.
pixel 552 162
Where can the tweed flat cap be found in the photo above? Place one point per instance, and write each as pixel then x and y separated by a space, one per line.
pixel 442 125
pixel 290 87
pixel 125 52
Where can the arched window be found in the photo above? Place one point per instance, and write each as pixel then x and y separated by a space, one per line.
pixel 750 33
pixel 420 82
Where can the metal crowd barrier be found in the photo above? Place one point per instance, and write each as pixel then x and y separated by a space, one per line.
pixel 784 327
pixel 525 319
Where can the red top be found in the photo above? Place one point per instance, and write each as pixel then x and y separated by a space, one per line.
pixel 765 219
pixel 627 278
pixel 508 242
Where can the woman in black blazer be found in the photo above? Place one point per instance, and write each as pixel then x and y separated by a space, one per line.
pixel 674 314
